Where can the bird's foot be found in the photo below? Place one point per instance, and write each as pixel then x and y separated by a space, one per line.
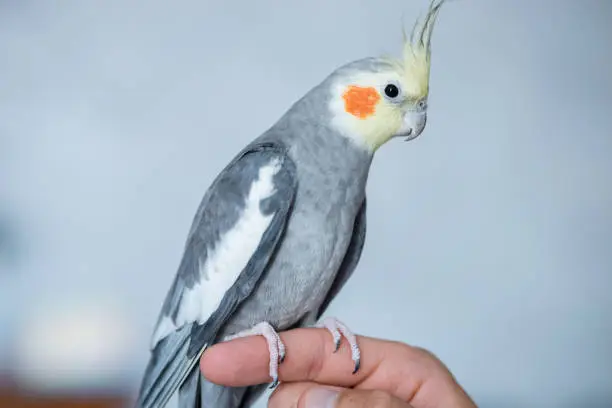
pixel 337 330
pixel 275 346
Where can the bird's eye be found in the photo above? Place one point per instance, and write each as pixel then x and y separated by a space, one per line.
pixel 392 91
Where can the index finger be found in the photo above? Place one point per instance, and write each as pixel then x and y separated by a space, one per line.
pixel 310 357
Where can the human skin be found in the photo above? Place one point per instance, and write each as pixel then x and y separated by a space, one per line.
pixel 392 374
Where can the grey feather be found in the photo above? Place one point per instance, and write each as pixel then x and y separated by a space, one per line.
pixel 197 392
pixel 349 264
pixel 173 358
pixel 306 256
pixel 351 259
pixel 332 174
pixel 221 207
pixel 166 368
pixel 190 395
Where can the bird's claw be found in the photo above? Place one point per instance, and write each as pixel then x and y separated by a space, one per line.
pixel 275 346
pixel 337 330
pixel 337 336
pixel 357 365
pixel 336 344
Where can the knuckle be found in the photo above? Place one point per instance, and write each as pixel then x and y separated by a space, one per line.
pixel 430 359
pixel 425 353
pixel 406 352
pixel 315 367
pixel 433 364
pixel 419 353
pixel 315 364
pixel 422 357
pixel 379 399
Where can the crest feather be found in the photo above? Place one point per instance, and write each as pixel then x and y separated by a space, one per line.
pixel 417 50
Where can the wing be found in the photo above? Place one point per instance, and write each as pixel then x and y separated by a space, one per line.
pixel 350 261
pixel 234 234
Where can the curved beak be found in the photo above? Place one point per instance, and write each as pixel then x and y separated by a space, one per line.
pixel 412 125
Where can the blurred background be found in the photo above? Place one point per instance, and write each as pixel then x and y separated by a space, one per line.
pixel 488 236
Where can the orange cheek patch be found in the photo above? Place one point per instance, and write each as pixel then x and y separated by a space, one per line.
pixel 360 102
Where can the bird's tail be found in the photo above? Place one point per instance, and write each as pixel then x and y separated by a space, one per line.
pixel 197 392
pixel 169 366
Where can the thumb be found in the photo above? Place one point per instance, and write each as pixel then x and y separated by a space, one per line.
pixel 324 397
pixel 351 398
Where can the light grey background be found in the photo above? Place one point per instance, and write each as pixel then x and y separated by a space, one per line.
pixel 488 237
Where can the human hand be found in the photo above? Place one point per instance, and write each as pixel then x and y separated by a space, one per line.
pixel 392 374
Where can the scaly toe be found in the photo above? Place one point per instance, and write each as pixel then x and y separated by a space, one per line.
pixel 276 347
pixel 339 330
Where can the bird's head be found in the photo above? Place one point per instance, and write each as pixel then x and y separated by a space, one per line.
pixel 376 99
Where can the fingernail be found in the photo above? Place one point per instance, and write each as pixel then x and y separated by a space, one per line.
pixel 320 398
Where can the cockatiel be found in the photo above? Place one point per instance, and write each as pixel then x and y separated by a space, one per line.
pixel 282 227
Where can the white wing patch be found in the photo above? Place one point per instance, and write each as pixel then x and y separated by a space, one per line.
pixel 226 259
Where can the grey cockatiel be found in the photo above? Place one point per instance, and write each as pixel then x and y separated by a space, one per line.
pixel 282 227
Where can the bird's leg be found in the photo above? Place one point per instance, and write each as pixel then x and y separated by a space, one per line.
pixel 275 346
pixel 337 330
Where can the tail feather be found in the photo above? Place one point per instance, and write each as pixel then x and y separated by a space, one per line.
pixel 189 395
pixel 167 370
pixel 253 393
pixel 219 396
pixel 170 369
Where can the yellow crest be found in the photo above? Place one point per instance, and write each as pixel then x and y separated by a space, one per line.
pixel 417 52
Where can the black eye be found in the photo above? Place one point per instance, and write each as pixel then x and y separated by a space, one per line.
pixel 391 91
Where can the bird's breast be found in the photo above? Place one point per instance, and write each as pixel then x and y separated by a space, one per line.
pixel 305 266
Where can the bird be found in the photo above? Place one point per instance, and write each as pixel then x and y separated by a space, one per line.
pixel 282 227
